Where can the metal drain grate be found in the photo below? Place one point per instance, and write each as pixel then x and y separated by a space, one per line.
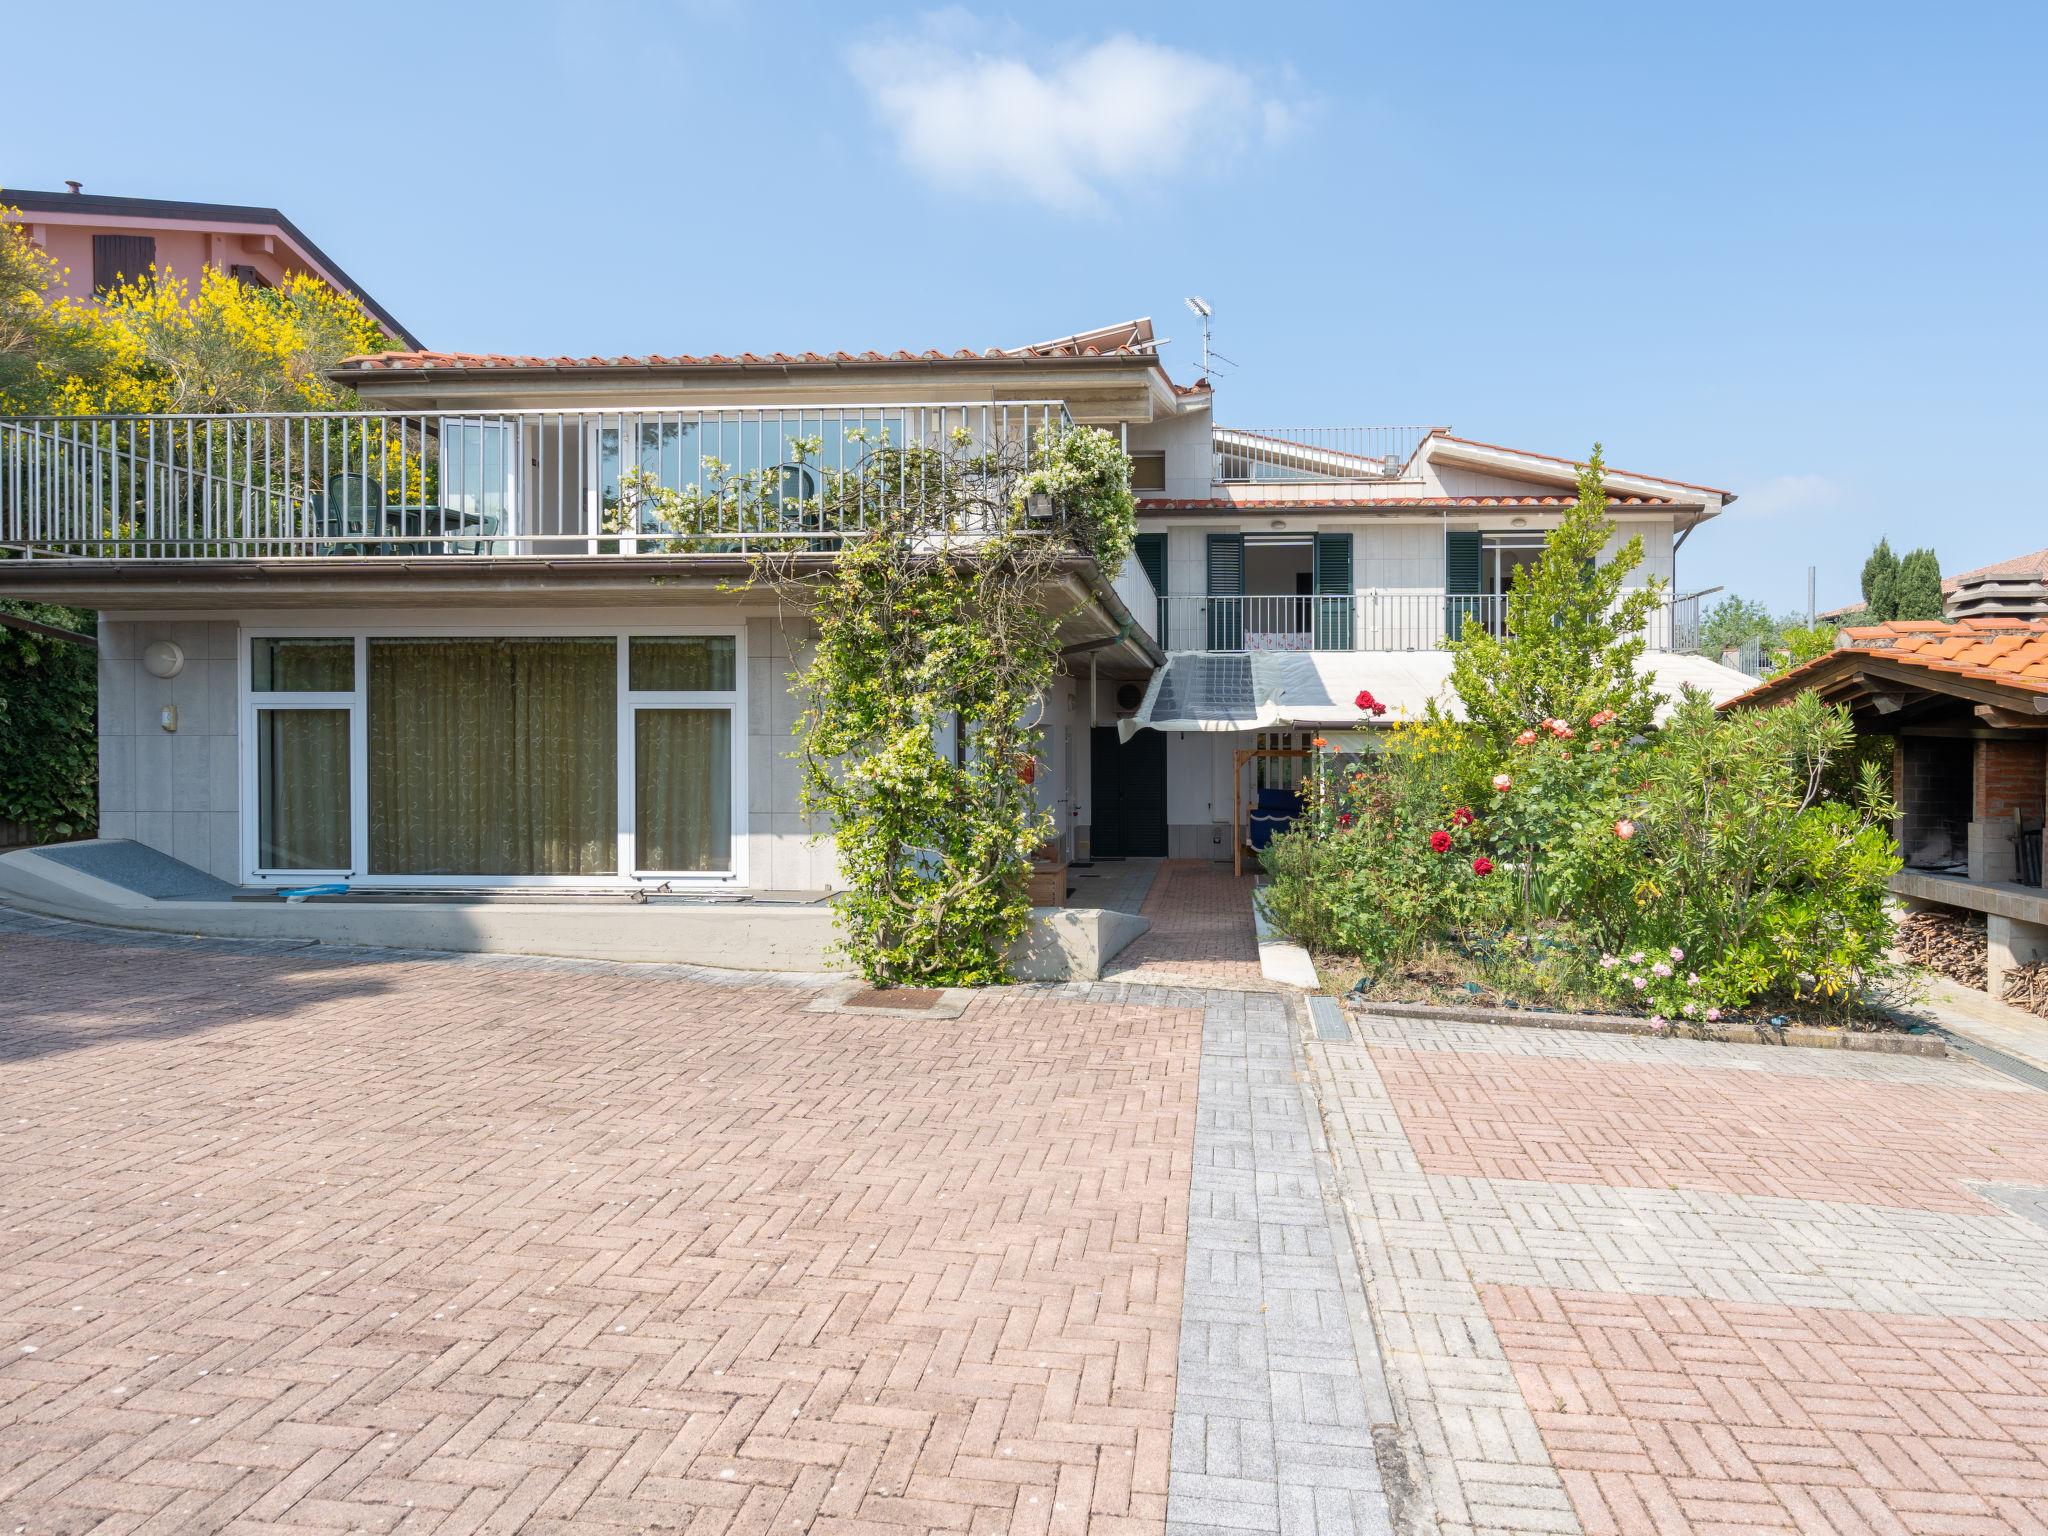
pixel 1329 1019
pixel 2014 1068
pixel 911 999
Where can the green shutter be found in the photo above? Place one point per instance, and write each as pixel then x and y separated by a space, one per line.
pixel 1461 578
pixel 1226 580
pixel 1333 592
pixel 1151 551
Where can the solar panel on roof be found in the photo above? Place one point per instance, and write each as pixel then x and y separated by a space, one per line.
pixel 1205 688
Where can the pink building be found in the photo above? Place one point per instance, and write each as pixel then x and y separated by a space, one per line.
pixel 100 241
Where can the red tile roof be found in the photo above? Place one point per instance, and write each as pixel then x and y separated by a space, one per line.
pixel 1129 339
pixel 1225 504
pixel 390 360
pixel 2018 567
pixel 2012 653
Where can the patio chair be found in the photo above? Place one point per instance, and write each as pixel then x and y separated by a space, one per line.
pixel 353 511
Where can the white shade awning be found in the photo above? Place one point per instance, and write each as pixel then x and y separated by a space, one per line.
pixel 1273 690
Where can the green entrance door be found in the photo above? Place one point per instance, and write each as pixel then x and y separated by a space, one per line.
pixel 1128 794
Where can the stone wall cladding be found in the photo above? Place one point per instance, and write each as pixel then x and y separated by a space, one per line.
pixel 178 792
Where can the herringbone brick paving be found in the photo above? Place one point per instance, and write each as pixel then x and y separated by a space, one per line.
pixel 1903 1143
pixel 1664 1286
pixel 1201 932
pixel 297 1241
pixel 1667 1414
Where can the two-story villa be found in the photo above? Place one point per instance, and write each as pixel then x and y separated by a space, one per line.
pixel 415 648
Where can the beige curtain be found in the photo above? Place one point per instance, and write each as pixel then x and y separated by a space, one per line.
pixel 288 664
pixel 302 789
pixel 680 663
pixel 682 795
pixel 493 756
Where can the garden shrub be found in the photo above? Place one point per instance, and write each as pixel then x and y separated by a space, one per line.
pixel 1577 854
pixel 931 642
pixel 49 691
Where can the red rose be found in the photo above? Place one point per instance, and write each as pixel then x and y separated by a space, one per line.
pixel 1482 865
pixel 1344 819
pixel 1462 816
pixel 1440 842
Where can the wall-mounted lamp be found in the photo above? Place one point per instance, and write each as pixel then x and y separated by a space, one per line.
pixel 1278 522
pixel 163 658
pixel 1519 522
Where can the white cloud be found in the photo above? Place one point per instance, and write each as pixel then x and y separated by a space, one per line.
pixel 1788 496
pixel 969 111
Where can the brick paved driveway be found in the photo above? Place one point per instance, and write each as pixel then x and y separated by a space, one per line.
pixel 292 1240
pixel 1666 1286
pixel 1201 932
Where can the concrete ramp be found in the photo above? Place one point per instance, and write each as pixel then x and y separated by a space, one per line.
pixel 122 884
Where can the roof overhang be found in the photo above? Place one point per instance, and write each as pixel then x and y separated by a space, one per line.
pixel 1443 448
pixel 1089 612
pixel 1886 691
pixel 1094 389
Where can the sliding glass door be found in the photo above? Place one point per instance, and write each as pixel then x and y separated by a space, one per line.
pixel 493 756
pixel 467 759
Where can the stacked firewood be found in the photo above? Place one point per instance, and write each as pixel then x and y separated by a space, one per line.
pixel 2026 986
pixel 1949 944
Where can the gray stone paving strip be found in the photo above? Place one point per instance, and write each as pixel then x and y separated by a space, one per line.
pixel 1486 1469
pixel 1724 1246
pixel 1385 1031
pixel 1275 1414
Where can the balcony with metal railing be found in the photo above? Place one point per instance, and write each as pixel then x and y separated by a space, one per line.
pixel 1280 456
pixel 1371 620
pixel 556 483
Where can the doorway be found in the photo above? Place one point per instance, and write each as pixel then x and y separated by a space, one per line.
pixel 1128 820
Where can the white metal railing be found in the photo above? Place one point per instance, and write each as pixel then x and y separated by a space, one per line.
pixel 553 482
pixel 1370 620
pixel 1142 598
pixel 1278 455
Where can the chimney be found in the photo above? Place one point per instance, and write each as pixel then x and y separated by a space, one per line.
pixel 76 187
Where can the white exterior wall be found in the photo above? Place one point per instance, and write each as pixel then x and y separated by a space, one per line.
pixel 1190 467
pixel 175 791
pixel 780 853
pixel 180 792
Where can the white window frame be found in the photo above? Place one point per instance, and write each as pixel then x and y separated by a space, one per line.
pixel 252 706
pixel 627 877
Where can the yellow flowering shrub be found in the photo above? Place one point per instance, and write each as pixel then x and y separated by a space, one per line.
pixel 228 346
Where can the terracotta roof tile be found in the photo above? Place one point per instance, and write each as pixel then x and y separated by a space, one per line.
pixel 1226 504
pixel 1129 339
pixel 2018 568
pixel 2010 652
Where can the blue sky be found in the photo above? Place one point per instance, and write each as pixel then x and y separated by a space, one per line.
pixel 1796 250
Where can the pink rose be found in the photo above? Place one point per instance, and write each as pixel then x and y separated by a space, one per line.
pixel 1624 829
pixel 1503 783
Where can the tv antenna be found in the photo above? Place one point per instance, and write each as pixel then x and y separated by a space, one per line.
pixel 1202 311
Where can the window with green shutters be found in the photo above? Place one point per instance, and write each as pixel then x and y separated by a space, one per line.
pixel 1333 592
pixel 1461 579
pixel 1226 581
pixel 1150 549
